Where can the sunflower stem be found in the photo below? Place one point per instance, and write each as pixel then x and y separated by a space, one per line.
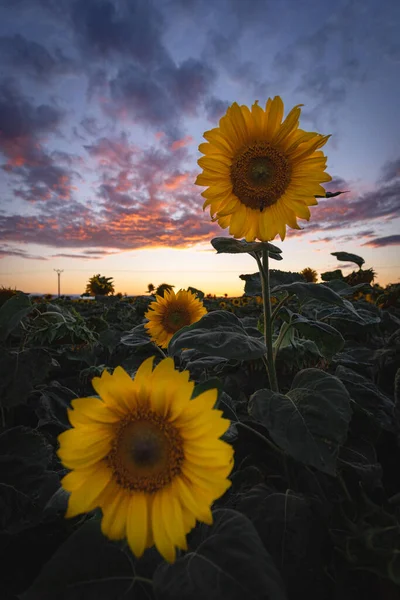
pixel 268 323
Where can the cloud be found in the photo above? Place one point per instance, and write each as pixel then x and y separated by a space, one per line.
pixel 380 204
pixel 161 98
pixel 34 59
pixel 144 198
pixel 36 173
pixel 380 242
pixel 80 256
pixel 129 29
pixel 6 250
pixel 215 108
pixel 390 171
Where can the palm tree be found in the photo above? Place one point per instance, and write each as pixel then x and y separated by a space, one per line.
pixel 98 285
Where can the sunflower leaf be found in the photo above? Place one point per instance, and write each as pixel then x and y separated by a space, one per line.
pixel 311 421
pixel 314 291
pixel 231 246
pixel 225 561
pixel 346 256
pixel 218 333
pixel 138 336
pixel 12 312
pixel 87 566
pixel 328 339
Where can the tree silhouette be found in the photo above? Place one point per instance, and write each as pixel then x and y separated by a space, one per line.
pixel 150 288
pixel 98 285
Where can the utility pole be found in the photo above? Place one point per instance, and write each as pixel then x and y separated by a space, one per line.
pixel 58 271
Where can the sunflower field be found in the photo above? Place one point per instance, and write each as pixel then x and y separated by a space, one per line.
pixel 182 447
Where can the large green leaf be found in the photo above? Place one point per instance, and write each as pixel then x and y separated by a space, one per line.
pixel 20 372
pixel 365 393
pixel 218 333
pixel 311 421
pixel 136 337
pixel 327 338
pixel 231 246
pixel 290 529
pixel 26 484
pixel 86 566
pixel 12 312
pixel 225 561
pixel 314 291
pixel 346 256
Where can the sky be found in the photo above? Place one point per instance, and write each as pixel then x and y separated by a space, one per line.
pixel 103 104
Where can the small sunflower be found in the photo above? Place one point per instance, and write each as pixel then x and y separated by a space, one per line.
pixel 262 174
pixel 236 302
pixel 223 305
pixel 245 300
pixel 147 455
pixel 170 313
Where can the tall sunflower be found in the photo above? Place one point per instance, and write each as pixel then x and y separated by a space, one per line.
pixel 148 455
pixel 262 173
pixel 170 313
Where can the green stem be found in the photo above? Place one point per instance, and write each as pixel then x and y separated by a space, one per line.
pixel 264 273
pixel 285 327
pixel 278 306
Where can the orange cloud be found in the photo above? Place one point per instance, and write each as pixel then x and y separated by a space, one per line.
pixel 175 181
pixel 182 143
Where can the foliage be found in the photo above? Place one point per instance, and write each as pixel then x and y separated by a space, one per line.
pixel 313 510
pixel 6 293
pixel 98 285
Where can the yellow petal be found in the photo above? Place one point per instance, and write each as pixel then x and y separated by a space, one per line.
pixel 137 523
pixel 89 411
pixel 161 539
pixel 114 505
pixel 87 497
pixel 274 119
pixel 84 446
pixel 173 518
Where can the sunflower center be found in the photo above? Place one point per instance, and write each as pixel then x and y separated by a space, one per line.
pixel 260 175
pixel 147 452
pixel 176 318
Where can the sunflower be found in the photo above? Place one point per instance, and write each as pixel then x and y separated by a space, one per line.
pixel 170 313
pixel 236 302
pixel 147 455
pixel 223 305
pixel 262 174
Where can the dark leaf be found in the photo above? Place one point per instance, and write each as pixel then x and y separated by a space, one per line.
pixel 12 312
pixel 232 246
pixel 21 371
pixel 315 291
pixel 225 561
pixel 365 393
pixel 218 333
pixel 310 422
pixel 136 337
pixel 327 338
pixel 86 567
pixel 347 257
